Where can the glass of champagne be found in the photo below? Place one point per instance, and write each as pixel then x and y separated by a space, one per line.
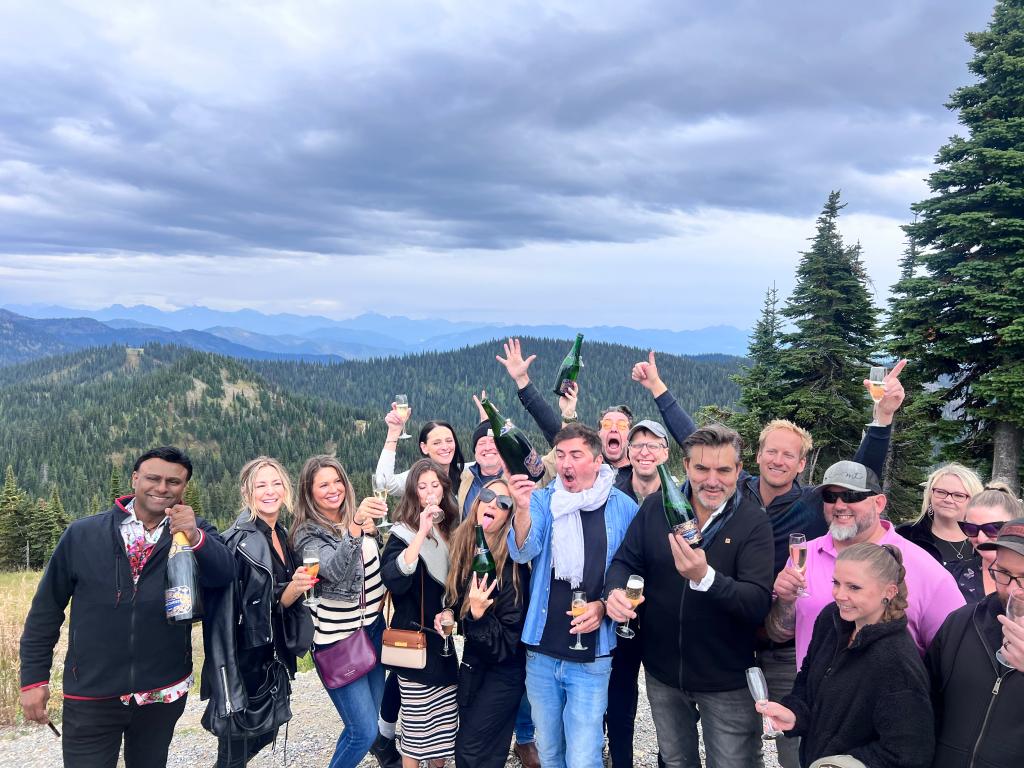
pixel 876 382
pixel 380 491
pixel 438 513
pixel 311 559
pixel 447 627
pixel 1015 612
pixel 798 554
pixel 402 408
pixel 759 690
pixel 634 591
pixel 578 608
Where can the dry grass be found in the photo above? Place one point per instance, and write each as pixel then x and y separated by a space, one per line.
pixel 16 592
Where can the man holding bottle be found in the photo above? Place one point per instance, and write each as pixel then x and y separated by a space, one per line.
pixel 569 531
pixel 127 671
pixel 703 608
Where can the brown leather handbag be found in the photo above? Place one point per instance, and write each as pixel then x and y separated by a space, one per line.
pixel 404 647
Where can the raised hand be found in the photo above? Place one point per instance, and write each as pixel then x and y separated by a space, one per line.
pixel 646 374
pixel 480 596
pixel 517 367
pixel 691 563
pixel 886 408
pixel 481 414
pixel 567 402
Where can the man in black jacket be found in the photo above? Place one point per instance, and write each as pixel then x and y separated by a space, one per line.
pixel 703 607
pixel 127 670
pixel 977 700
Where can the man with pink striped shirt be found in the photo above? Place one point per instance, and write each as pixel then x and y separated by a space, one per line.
pixel 853 503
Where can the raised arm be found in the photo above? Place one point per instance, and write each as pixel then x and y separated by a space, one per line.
pixel 385 471
pixel 874 446
pixel 518 368
pixel 679 423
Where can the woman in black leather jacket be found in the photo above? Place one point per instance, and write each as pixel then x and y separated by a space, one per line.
pixel 262 620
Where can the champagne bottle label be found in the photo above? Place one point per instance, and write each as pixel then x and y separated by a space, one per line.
pixel 177 602
pixel 534 464
pixel 690 532
pixel 507 427
pixel 482 552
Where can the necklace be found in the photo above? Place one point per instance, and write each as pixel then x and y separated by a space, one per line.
pixel 956 548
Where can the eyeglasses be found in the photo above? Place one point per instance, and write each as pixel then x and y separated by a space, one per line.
pixel 504 502
pixel 958 497
pixel 989 529
pixel 1004 578
pixel 848 496
pixel 649 447
pixel 620 424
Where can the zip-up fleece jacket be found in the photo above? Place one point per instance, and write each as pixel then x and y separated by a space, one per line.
pixel 119 639
pixel 699 641
pixel 978 702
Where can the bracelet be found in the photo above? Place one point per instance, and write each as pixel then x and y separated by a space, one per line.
pixel 569 419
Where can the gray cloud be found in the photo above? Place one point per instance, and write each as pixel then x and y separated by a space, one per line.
pixel 358 131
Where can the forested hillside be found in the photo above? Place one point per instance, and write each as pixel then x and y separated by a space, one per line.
pixel 75 422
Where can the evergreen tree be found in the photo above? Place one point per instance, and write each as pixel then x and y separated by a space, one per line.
pixel 115 486
pixel 193 497
pixel 760 382
pixel 12 522
pixel 40 534
pixel 965 310
pixel 824 359
pixel 59 516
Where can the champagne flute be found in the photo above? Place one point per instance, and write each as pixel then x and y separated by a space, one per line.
pixel 435 501
pixel 876 382
pixel 578 608
pixel 798 554
pixel 402 407
pixel 311 559
pixel 634 591
pixel 447 627
pixel 1014 612
pixel 380 491
pixel 759 690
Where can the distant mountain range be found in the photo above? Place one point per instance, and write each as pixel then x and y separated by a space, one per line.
pixel 249 334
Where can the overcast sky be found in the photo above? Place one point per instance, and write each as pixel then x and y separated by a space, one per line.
pixel 651 164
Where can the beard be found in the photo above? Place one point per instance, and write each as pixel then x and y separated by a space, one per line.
pixel 843 532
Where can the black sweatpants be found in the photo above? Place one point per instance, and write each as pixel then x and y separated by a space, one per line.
pixel 93 731
pixel 487 715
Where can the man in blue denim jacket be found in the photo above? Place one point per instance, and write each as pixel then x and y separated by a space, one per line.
pixel 569 531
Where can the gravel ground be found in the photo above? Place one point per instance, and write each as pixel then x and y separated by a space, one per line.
pixel 311 736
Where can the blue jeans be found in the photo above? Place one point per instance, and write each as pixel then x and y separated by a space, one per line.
pixel 525 732
pixel 568 700
pixel 730 724
pixel 358 704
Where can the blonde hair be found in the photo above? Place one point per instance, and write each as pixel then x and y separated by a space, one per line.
pixel 995 496
pixel 966 476
pixel 462 548
pixel 247 480
pixel 885 562
pixel 806 443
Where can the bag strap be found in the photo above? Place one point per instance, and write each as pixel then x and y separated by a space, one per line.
pixel 387 602
pixel 422 587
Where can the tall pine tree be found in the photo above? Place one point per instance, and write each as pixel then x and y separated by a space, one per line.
pixel 115 486
pixel 965 314
pixel 825 358
pixel 13 521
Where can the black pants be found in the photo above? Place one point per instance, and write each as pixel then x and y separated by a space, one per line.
pixel 392 701
pixel 235 753
pixel 623 691
pixel 93 731
pixel 487 716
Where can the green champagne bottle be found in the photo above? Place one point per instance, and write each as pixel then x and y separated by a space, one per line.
pixel 570 367
pixel 513 445
pixel 678 511
pixel 183 598
pixel 483 561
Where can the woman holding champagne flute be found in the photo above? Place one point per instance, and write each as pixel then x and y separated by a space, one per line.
pixel 415 571
pixel 329 525
pixel 268 623
pixel 861 669
pixel 437 442
pixel 491 609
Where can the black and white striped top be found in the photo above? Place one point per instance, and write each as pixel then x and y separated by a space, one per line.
pixel 337 619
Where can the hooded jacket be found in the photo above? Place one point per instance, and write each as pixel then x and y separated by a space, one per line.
pixel 119 641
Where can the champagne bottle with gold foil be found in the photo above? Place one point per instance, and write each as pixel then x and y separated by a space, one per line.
pixel 514 447
pixel 183 600
pixel 678 511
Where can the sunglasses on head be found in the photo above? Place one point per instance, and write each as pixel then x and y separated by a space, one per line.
pixel 972 529
pixel 503 502
pixel 848 496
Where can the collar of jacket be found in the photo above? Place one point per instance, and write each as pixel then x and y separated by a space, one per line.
pixel 868 634
pixel 753 485
pixel 245 533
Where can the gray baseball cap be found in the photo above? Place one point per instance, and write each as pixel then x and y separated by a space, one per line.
pixel 651 426
pixel 850 474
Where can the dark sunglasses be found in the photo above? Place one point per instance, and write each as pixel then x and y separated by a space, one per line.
pixel 504 502
pixel 848 497
pixel 972 529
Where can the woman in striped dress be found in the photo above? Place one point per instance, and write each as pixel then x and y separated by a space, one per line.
pixel 415 570
pixel 326 518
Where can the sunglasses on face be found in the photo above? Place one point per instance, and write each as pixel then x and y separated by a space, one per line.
pixel 503 502
pixel 972 529
pixel 848 496
pixel 620 424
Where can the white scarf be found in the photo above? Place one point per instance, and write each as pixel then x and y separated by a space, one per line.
pixel 567 526
pixel 433 551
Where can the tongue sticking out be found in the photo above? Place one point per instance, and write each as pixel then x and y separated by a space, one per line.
pixel 487 521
